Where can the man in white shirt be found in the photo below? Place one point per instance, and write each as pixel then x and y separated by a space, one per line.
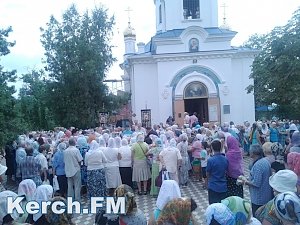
pixel 72 160
pixel 43 162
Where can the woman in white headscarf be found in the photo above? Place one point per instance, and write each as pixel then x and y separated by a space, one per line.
pixel 112 173
pixel 43 193
pixel 125 163
pixel 171 159
pixel 26 189
pixel 118 142
pixel 141 170
pixel 169 190
pixel 5 218
pixel 95 161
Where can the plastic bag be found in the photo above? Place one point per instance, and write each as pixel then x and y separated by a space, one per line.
pixel 55 184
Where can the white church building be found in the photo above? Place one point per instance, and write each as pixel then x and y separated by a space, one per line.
pixel 188 66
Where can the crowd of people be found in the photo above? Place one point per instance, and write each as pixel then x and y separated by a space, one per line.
pixel 130 161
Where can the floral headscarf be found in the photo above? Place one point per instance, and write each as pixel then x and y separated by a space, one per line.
pixel 240 208
pixel 127 192
pixel 58 219
pixel 220 213
pixel 287 207
pixel 27 189
pixel 177 212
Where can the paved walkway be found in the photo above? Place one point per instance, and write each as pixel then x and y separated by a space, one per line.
pixel 147 203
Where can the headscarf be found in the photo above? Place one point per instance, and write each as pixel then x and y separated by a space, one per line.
pixel 127 192
pixel 27 189
pixel 101 142
pixel 220 213
pixel 295 141
pixel 169 190
pixel 235 158
pixel 293 161
pixel 111 143
pixel 43 193
pixel 159 143
pixel 106 137
pixel 3 205
pixel 277 151
pixel 58 219
pixel 173 143
pixel 177 212
pixel 94 145
pixel 293 127
pixel 118 142
pixel 140 138
pixel 82 142
pixel 240 208
pixel 124 142
pixel 62 146
pixel 287 207
pixel 132 140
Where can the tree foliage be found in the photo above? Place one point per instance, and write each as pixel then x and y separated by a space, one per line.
pixel 276 70
pixel 11 122
pixel 78 55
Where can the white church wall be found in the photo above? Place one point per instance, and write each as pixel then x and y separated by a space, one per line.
pixel 146 89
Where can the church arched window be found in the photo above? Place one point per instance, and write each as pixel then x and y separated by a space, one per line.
pixel 191 9
pixel 160 14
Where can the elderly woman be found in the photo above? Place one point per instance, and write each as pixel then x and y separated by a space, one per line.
pixel 125 163
pixel 171 159
pixel 112 172
pixel 5 218
pixel 83 147
pixel 219 214
pixel 43 193
pixel 95 161
pixel 59 169
pixel 26 189
pixel 155 165
pixel 169 190
pixel 282 181
pixel 260 189
pixel 267 149
pixel 141 171
pixel 178 212
pixel 58 219
pixel 234 156
pixel 185 165
pixel 132 215
pixel 295 142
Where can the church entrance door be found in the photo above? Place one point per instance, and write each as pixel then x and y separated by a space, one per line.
pixel 196 100
pixel 198 105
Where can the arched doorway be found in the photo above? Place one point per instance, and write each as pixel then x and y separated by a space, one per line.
pixel 195 97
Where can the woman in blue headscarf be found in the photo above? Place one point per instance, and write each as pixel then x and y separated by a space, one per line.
pixel 155 164
pixel 83 147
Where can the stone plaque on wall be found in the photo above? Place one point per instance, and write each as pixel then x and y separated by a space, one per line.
pixel 213 113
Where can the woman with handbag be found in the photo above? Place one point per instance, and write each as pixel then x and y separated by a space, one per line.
pixel 141 172
pixel 155 165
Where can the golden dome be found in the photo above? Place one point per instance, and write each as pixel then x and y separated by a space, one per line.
pixel 129 31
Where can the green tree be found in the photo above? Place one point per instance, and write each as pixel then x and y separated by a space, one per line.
pixel 276 69
pixel 78 55
pixel 33 102
pixel 11 122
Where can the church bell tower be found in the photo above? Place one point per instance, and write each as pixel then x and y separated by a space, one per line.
pixel 180 14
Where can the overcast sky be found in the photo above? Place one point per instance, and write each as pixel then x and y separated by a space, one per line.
pixel 27 16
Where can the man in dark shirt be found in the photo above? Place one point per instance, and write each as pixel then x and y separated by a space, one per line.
pixel 216 169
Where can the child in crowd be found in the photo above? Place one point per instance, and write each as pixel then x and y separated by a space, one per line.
pixel 204 157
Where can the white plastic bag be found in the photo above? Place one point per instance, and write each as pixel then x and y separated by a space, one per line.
pixel 165 175
pixel 55 184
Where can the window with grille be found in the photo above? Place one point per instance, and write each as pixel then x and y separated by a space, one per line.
pixel 191 9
